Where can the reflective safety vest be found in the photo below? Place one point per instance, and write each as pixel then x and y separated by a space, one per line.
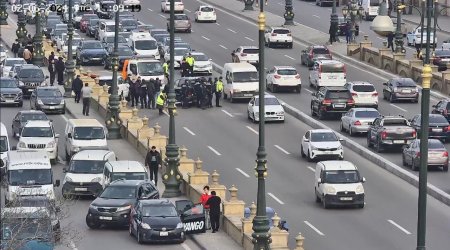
pixel 166 68
pixel 219 86
pixel 124 69
pixel 160 99
pixel 190 60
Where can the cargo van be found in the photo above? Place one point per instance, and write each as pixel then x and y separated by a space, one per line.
pixel 143 45
pixel 147 69
pixel 327 73
pixel 241 81
pixel 126 170
pixel 4 142
pixel 29 173
pixel 82 134
pixel 371 8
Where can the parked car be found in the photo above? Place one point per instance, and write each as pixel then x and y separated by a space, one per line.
pixel 10 93
pixel 124 52
pixel 331 100
pixel 48 99
pixel 390 131
pixel 30 77
pixel 90 51
pixel 441 59
pixel 313 53
pixel 443 108
pixel 437 155
pixel 205 13
pixel 415 37
pixel 397 89
pixel 22 117
pixel 321 144
pixel 202 63
pixel 273 109
pixel 358 120
pixel 439 127
pixel 182 23
pixel 40 136
pixel 363 93
pixel 283 77
pixel 278 36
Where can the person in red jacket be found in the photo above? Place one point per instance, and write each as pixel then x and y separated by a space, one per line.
pixel 203 199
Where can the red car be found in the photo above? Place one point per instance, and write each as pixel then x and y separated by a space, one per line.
pixel 85 21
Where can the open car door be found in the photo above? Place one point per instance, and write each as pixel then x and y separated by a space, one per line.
pixel 192 216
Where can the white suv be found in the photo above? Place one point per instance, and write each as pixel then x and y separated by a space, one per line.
pixel 278 35
pixel 249 54
pixel 165 6
pixel 283 77
pixel 364 94
pixel 39 136
pixel 321 144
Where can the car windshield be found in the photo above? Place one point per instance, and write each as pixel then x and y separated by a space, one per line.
pixel 251 51
pixel 206 9
pixel 119 192
pixel 3 144
pixel 7 83
pixel 92 45
pixel 281 31
pixel 338 95
pixel 93 21
pixel 33 117
pixel 341 176
pixel 11 62
pixel 267 101
pixel 129 22
pixel 438 119
pixel 30 177
pixel 128 176
pixel 150 68
pixel 200 57
pixel 323 136
pixel 287 72
pixel 333 68
pixel 395 122
pixel 363 88
pixel 181 17
pixel 406 82
pixel 159 211
pixel 37 132
pixel 321 51
pixel 86 167
pixel 245 76
pixel 28 228
pixel 180 51
pixel 435 144
pixel 48 93
pixel 31 73
pixel 88 133
pixel 145 45
pixel 125 51
pixel 367 114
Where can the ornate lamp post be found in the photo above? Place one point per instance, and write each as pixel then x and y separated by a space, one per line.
pixel 112 117
pixel 248 4
pixel 289 14
pixel 70 63
pixel 21 31
pixel 3 13
pixel 398 33
pixel 172 178
pixel 354 12
pixel 38 50
pixel 334 18
pixel 261 234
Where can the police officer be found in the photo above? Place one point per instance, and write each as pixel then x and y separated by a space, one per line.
pixel 133 91
pixel 190 61
pixel 183 67
pixel 166 69
pixel 209 93
pixel 160 102
pixel 198 92
pixel 219 90
pixel 151 94
pixel 184 94
pixel 143 92
pixel 204 101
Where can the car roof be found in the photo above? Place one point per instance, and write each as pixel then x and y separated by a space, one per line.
pixel 266 96
pixel 48 87
pixel 338 165
pixel 249 47
pixel 360 83
pixel 284 67
pixel 196 53
pixel 23 112
pixel 128 183
pixel 85 122
pixel 95 155
pixel 319 46
pixel 38 124
pixel 328 61
pixel 126 166
pixel 321 130
pixel 21 159
pixel 334 88
pixel 156 202
pixel 279 28
pixel 364 109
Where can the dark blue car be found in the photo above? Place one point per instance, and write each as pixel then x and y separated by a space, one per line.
pixel 439 127
pixel 90 51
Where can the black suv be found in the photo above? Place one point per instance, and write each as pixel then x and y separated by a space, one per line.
pixel 331 100
pixel 443 108
pixel 313 53
pixel 30 77
pixel 113 205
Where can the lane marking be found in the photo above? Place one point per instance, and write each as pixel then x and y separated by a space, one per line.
pixel 399 227
pixel 232 31
pixel 308 91
pixel 316 16
pixel 251 129
pixel 72 245
pixel 279 3
pixel 150 9
pixel 290 57
pixel 243 173
pixel 223 47
pixel 65 118
pixel 204 37
pixel 185 246
pixel 226 112
pixel 312 169
pixel 214 151
pixel 166 113
pixel 187 10
pixel 402 109
pixel 189 131
pixel 161 15
pixel 313 228
pixel 218 24
pixel 275 198
pixel 381 38
pixel 282 150
pixel 248 38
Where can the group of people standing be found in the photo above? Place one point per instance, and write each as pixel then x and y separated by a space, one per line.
pixel 56 68
pixel 145 93
pixel 203 90
pixel 23 49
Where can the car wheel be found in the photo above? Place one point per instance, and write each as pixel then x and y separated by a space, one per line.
pixel 130 229
pixel 92 225
pixel 391 98
pixel 445 168
pixel 317 197
pixel 342 127
pixel 350 131
pixel 299 89
pixel 308 157
pixel 267 85
pixel 301 152
pixel 325 204
pixel 369 143
pixel 67 157
pixel 404 163
pixel 248 115
pixel 312 111
pixel 274 88
pixel 231 98
pixel 189 31
pixel 361 205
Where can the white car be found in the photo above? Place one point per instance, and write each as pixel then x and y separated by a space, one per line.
pixel 364 94
pixel 321 144
pixel 283 77
pixel 446 44
pixel 8 63
pixel 63 39
pixel 40 136
pixel 358 120
pixel 273 109
pixel 205 14
pixel 202 64
pixel 165 6
pixel 414 37
pixel 249 54
pixel 278 36
pixel 75 42
pixel 131 2
pixel 3 54
pixel 179 54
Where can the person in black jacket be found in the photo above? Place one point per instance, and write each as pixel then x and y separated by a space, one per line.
pixel 52 71
pixel 15 47
pixel 214 203
pixel 153 160
pixel 157 88
pixel 151 94
pixel 143 92
pixel 60 67
pixel 77 85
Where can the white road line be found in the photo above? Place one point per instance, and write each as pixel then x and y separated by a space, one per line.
pixel 218 24
pixel 282 150
pixel 399 227
pixel 275 198
pixel 204 37
pixel 242 172
pixel 381 38
pixel 232 31
pixel 185 246
pixel 223 47
pixel 313 228
pixel 65 118
pixel 72 245
pixel 215 151
pixel 312 169
pixel 279 3
pixel 313 4
pixel 187 10
pixel 248 38
pixel 362 32
pixel 165 112
pixel 189 131
pixel 251 129
pixel 402 109
pixel 290 57
pixel 308 91
pixel 226 112
pixel 150 9
pixel 161 15
pixel 316 16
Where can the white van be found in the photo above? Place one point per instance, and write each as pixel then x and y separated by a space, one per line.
pixel 82 134
pixel 4 142
pixel 328 73
pixel 338 183
pixel 371 8
pixel 143 45
pixel 147 69
pixel 106 28
pixel 241 81
pixel 84 176
pixel 127 170
pixel 29 174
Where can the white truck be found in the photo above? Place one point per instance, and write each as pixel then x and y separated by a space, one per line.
pixel 146 68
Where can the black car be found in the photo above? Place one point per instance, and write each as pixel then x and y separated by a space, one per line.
pixel 313 53
pixel 10 93
pixel 50 25
pixel 443 108
pixel 30 77
pixel 92 27
pixel 331 100
pixel 124 52
pixel 113 205
pixel 108 41
pixel 48 99
pixel 22 117
pixel 156 221
pixel 439 127
pixel 90 51
pixel 441 58
pixel 129 24
pixel 342 22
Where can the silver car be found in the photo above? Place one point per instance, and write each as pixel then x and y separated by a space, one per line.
pixel 437 154
pixel 182 23
pixel 358 120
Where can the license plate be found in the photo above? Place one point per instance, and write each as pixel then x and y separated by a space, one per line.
pixel 332 77
pixel 339 105
pixel 80 189
pixel 248 94
pixel 399 141
pixel 105 218
pixel 346 198
pixel 9 100
pixel 163 233
pixel 436 130
pixel 51 107
pixel 96 58
pixel 406 91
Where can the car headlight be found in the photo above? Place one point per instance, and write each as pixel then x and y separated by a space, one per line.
pixel 359 189
pixel 119 209
pixel 236 90
pixel 51 144
pixel 21 145
pixel 145 226
pixel 39 101
pixel 330 190
pixel 21 83
pixel 93 207
pixel 67 178
pixel 97 179
pixel 62 102
pixel 280 113
pixel 312 147
pixel 180 225
pixel 75 149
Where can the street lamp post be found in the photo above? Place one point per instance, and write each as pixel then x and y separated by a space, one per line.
pixel 289 13
pixel 112 116
pixel 38 50
pixel 70 63
pixel 172 177
pixel 21 31
pixel 334 19
pixel 398 33
pixel 261 234
pixel 3 13
pixel 248 4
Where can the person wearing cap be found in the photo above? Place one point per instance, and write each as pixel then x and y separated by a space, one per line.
pixel 219 90
pixel 190 61
pixel 153 161
pixel 77 85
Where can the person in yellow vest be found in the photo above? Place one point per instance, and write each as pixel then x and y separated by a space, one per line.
pixel 219 90
pixel 190 63
pixel 160 102
pixel 166 69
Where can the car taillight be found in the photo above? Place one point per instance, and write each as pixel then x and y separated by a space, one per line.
pixel 326 102
pixel 277 76
pixel 383 135
pixel 354 94
pixel 375 94
pixel 445 154
pixel 447 128
pixel 357 123
pixel 274 34
pixel 414 133
pixel 297 76
pixel 350 101
pixel 243 54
